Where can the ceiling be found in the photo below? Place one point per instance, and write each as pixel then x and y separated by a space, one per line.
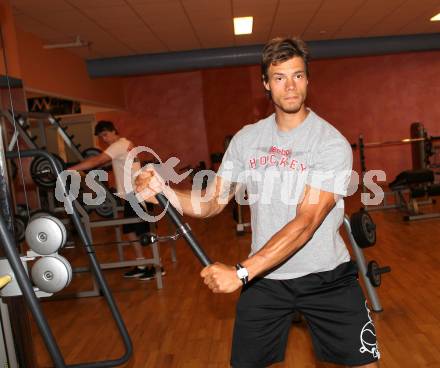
pixel 132 27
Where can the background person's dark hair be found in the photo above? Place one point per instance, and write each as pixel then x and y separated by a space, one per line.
pixel 281 49
pixel 104 126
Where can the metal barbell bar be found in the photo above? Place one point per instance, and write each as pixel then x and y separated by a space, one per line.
pixel 392 143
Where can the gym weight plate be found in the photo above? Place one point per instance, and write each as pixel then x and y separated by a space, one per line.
pixel 363 229
pixel 51 274
pixel 45 234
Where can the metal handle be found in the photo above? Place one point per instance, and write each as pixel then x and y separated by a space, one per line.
pixel 184 229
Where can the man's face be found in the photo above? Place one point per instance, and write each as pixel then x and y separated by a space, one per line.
pixel 108 137
pixel 287 83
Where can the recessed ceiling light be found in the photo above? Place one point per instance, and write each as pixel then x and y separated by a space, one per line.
pixel 435 18
pixel 243 25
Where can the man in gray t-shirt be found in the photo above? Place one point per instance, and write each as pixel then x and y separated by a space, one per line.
pixel 275 166
pixel 295 168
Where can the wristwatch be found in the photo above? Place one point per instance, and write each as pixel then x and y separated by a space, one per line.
pixel 242 273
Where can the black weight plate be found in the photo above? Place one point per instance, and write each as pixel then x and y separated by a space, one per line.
pixel 363 229
pixel 368 228
pixel 373 273
pixel 20 223
pixel 42 172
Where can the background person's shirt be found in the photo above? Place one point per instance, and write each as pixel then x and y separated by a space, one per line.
pixel 119 151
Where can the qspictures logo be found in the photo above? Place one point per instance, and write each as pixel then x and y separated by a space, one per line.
pixel 293 180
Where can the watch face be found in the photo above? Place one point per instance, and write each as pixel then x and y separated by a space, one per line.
pixel 242 273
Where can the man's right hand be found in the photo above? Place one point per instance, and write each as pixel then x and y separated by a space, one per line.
pixel 149 183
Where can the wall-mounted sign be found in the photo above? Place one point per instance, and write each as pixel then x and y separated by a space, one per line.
pixel 53 105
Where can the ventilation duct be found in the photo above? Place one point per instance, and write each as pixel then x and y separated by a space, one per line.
pixel 248 55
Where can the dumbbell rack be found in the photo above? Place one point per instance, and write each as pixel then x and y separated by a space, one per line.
pixel 22 131
pixel 74 148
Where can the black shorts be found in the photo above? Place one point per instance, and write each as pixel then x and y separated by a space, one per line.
pixel 139 227
pixel 332 304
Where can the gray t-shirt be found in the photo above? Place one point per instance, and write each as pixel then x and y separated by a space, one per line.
pixel 275 166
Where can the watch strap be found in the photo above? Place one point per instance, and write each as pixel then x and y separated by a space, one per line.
pixel 244 279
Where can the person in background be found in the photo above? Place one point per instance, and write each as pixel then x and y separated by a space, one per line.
pixel 116 152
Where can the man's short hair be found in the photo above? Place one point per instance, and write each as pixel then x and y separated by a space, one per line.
pixel 105 126
pixel 281 49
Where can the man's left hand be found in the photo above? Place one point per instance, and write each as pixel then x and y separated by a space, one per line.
pixel 221 278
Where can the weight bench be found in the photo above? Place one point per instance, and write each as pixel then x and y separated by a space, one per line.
pixel 420 188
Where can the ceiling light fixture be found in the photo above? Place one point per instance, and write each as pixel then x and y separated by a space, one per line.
pixel 243 25
pixel 435 18
pixel 77 43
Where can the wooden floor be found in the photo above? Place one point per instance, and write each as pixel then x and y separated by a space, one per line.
pixel 184 325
